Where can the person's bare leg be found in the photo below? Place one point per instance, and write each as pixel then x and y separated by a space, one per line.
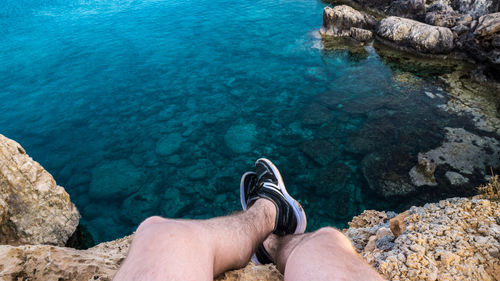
pixel 170 249
pixel 326 254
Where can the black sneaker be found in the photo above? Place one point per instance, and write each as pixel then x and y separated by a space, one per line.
pixel 290 216
pixel 267 183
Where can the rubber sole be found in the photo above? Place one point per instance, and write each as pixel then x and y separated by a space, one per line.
pixel 242 189
pixel 297 208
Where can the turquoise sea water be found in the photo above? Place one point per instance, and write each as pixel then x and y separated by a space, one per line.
pixel 153 107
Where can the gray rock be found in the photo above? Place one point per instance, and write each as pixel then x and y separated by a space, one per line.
pixel 475 8
pixel 423 173
pixel 488 25
pixel 338 21
pixel 456 178
pixel 33 208
pixel 419 36
pixel 360 34
pixel 414 9
pixel 385 243
pixel 444 17
pixel 465 152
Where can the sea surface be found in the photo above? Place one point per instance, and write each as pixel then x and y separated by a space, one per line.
pixel 157 107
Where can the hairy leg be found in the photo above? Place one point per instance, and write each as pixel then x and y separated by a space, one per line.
pixel 326 254
pixel 170 249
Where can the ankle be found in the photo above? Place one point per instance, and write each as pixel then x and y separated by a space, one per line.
pixel 269 212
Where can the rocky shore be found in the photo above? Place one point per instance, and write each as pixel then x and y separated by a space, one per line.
pixel 455 239
pixel 458 29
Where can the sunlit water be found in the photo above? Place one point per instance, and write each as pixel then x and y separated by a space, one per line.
pixel 143 108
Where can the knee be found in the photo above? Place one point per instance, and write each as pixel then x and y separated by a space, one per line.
pixel 333 236
pixel 150 221
pixel 329 232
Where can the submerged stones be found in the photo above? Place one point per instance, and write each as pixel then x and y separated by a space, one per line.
pixel 169 144
pixel 462 151
pixel 115 178
pixel 321 151
pixel 241 138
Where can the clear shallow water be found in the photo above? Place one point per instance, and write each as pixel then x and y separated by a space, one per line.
pixel 143 108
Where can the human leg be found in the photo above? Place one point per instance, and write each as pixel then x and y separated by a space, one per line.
pixel 169 249
pixel 326 254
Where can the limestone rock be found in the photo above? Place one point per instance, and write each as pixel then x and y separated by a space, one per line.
pixel 33 208
pixel 488 25
pixel 423 173
pixel 416 35
pixel 475 8
pixel 441 15
pixel 397 224
pixel 360 34
pixel 339 20
pixel 44 262
pixel 414 9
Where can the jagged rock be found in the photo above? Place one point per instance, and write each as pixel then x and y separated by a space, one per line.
pixel 475 8
pixel 360 34
pixel 441 15
pixel 33 208
pixel 397 224
pixel 488 25
pixel 379 6
pixel 43 262
pixel 413 9
pixel 419 36
pixel 449 240
pixel 339 20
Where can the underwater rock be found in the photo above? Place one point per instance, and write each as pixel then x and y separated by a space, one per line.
pixel 115 178
pixel 333 178
pixel 169 144
pixel 33 208
pixel 337 21
pixel 384 170
pixel 241 138
pixel 416 35
pixel 412 9
pixel 321 151
pixel 315 114
pixel 140 205
pixel 465 152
